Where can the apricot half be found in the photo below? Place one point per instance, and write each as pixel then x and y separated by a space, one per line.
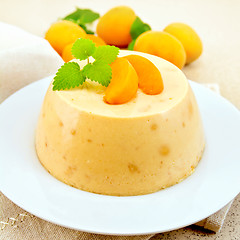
pixel 62 33
pixel 124 83
pixel 189 39
pixel 149 76
pixel 114 26
pixel 163 45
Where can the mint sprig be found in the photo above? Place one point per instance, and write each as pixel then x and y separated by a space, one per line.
pixel 83 17
pixel 70 75
pixel 137 28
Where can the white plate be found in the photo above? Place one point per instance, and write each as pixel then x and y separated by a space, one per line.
pixel 24 180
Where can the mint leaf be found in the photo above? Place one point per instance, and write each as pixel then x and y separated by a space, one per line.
pixel 82 16
pixel 138 27
pixel 106 54
pixel 68 76
pixel 74 16
pixel 86 29
pixel 88 16
pixel 131 44
pixel 83 48
pixel 99 72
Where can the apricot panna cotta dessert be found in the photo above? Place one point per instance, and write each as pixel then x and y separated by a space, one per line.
pixel 118 122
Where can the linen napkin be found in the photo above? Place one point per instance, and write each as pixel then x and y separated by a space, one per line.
pixel 25 58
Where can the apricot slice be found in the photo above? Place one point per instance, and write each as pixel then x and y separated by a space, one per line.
pixel 149 76
pixel 124 84
pixel 189 39
pixel 62 33
pixel 163 45
pixel 114 26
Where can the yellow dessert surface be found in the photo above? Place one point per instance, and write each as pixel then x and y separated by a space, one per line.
pixel 147 144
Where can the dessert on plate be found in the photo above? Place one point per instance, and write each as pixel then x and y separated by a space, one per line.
pixel 139 147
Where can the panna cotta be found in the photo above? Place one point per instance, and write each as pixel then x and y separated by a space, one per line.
pixel 147 144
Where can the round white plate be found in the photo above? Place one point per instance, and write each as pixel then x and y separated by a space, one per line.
pixel 24 180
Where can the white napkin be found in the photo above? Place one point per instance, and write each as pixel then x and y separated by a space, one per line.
pixel 24 58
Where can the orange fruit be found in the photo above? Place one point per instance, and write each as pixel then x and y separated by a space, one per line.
pixel 62 33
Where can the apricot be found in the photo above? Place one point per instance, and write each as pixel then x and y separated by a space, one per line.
pixel 62 33
pixel 114 26
pixel 124 83
pixel 97 40
pixel 163 45
pixel 67 53
pixel 149 76
pixel 189 39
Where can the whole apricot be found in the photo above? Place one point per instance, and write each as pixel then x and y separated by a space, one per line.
pixel 97 40
pixel 62 33
pixel 67 53
pixel 163 45
pixel 114 26
pixel 189 39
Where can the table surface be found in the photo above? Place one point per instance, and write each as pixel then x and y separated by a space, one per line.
pixel 217 23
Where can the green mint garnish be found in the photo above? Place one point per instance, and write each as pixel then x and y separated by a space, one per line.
pixel 131 44
pixel 99 72
pixel 106 54
pixel 70 75
pixel 83 17
pixel 83 48
pixel 86 29
pixel 138 27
